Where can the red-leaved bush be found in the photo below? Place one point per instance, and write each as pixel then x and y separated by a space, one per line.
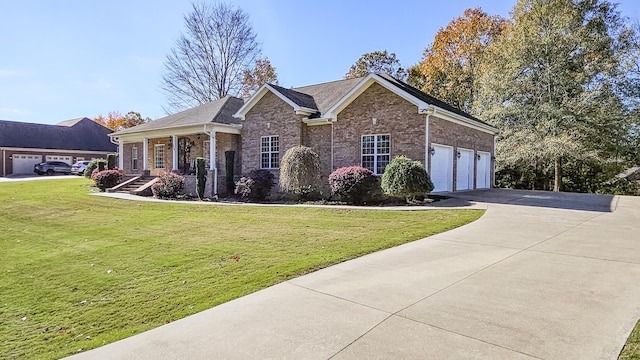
pixel 168 186
pixel 106 178
pixel 354 184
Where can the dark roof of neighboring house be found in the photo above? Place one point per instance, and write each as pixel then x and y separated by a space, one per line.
pixel 219 111
pixel 76 134
pixel 322 97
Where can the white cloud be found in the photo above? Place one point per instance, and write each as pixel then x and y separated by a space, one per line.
pixel 5 72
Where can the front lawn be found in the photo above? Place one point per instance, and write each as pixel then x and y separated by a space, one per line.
pixel 631 350
pixel 79 271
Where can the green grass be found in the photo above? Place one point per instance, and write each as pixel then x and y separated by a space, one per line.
pixel 79 271
pixel 631 350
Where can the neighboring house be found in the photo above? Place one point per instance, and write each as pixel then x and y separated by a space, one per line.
pixel 365 121
pixel 23 145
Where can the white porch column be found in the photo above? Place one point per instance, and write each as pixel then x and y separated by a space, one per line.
pixel 145 154
pixel 174 151
pixel 120 155
pixel 213 160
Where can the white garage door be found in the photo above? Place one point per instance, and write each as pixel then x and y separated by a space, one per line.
pixel 23 163
pixel 67 159
pixel 464 170
pixel 483 178
pixel 442 168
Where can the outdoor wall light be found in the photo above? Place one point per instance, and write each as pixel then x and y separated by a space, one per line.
pixel 478 157
pixel 432 151
pixel 459 154
pixel 375 121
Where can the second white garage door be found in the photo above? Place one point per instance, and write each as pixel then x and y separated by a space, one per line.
pixel 464 170
pixel 67 159
pixel 24 163
pixel 442 168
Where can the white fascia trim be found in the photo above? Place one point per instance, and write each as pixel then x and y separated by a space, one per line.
pixel 299 110
pixel 181 130
pixel 364 85
pixel 318 121
pixel 55 150
pixel 461 120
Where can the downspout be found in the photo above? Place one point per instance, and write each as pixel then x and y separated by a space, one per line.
pixel 332 168
pixel 493 162
pixel 212 157
pixel 427 150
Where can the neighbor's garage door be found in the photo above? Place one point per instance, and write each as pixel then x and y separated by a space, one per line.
pixel 23 164
pixel 483 178
pixel 67 159
pixel 464 169
pixel 442 168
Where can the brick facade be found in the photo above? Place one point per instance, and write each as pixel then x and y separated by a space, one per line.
pixel 393 115
pixel 271 116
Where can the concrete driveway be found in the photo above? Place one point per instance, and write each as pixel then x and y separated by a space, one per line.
pixel 539 276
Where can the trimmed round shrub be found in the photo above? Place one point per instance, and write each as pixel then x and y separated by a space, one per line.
pixel 106 179
pixel 92 165
pixel 353 184
pixel 168 186
pixel 300 172
pixel 406 178
pixel 256 186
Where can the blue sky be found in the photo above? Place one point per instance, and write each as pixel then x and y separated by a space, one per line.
pixel 64 59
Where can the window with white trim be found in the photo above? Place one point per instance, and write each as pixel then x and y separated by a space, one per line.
pixel 134 158
pixel 270 152
pixel 158 156
pixel 376 152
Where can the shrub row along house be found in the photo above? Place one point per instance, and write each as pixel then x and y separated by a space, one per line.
pixel 23 145
pixel 364 121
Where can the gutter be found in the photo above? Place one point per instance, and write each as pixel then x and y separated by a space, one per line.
pixel 212 157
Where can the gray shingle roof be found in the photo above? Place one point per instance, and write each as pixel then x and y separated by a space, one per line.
pixel 218 111
pixel 76 134
pixel 323 96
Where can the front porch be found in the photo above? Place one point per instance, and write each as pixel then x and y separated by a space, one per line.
pixel 176 150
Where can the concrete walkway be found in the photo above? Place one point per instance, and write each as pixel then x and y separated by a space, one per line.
pixel 539 276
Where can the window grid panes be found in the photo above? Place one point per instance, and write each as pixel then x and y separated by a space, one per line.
pixel 158 155
pixel 376 152
pixel 134 158
pixel 270 152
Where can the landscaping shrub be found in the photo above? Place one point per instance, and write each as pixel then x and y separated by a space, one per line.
pixel 201 177
pixel 300 172
pixel 168 186
pixel 406 178
pixel 256 186
pixel 106 179
pixel 111 161
pixel 353 184
pixel 92 165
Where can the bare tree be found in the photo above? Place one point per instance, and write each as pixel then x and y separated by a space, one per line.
pixel 210 57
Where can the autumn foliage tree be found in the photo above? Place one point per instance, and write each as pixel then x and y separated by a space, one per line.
pixel 377 62
pixel 262 73
pixel 451 65
pixel 115 121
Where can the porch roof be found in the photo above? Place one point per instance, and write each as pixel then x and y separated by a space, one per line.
pixel 216 112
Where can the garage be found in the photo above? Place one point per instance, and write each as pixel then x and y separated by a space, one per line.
pixel 442 168
pixel 464 169
pixel 483 178
pixel 24 163
pixel 67 159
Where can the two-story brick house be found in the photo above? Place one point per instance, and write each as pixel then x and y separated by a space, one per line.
pixel 365 121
